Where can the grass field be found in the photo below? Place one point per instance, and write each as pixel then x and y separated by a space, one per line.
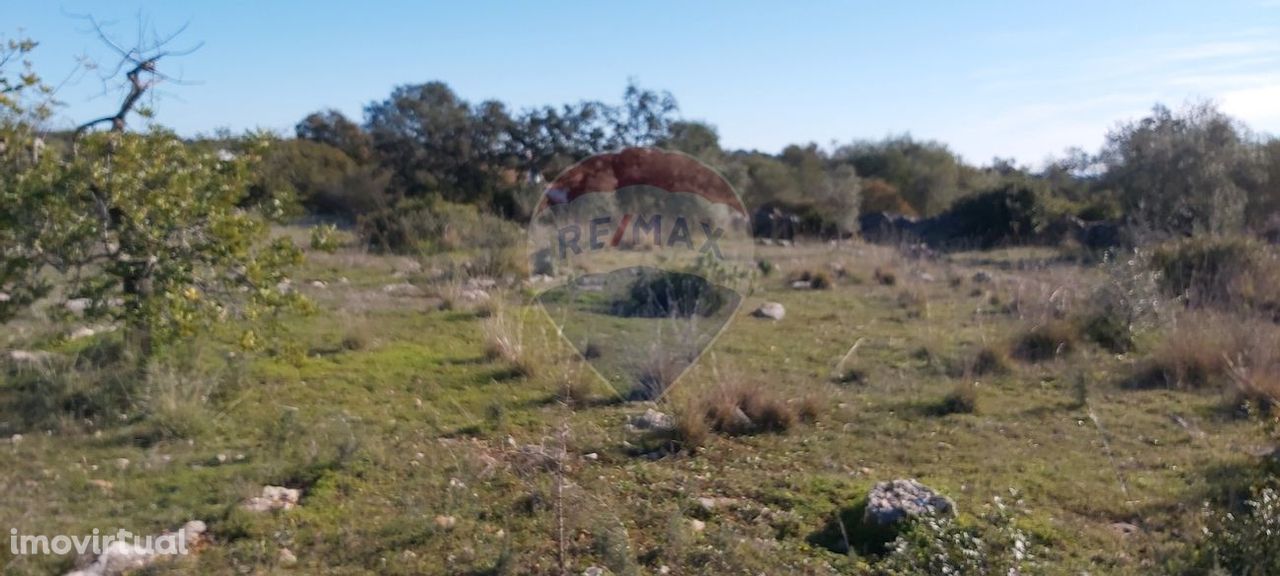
pixel 418 453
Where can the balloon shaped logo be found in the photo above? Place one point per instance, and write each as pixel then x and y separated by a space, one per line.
pixel 645 255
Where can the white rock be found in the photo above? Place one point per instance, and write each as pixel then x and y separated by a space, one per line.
pixel 481 283
pixel 652 420
pixel 81 332
pixel 317 284
pixel 402 288
pixel 591 456
pixel 474 295
pixel 770 310
pixel 274 498
pixel 697 525
pixel 287 557
pixel 77 305
pixel 890 502
pixel 446 522
pixel 122 464
pixel 29 357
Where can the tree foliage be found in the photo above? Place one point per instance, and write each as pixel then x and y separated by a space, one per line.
pixel 1183 172
pixel 145 228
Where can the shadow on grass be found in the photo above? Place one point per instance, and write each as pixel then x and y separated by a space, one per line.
pixel 846 533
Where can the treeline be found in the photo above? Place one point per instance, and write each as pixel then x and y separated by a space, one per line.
pixel 424 151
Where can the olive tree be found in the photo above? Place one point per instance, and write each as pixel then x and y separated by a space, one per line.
pixel 1183 171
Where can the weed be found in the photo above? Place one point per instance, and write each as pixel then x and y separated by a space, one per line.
pixel 1046 341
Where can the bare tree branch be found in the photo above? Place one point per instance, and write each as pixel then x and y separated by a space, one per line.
pixel 141 61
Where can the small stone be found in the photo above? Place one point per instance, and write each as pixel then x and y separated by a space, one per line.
pixel 274 498
pixel 1124 529
pixel 287 557
pixel 319 284
pixel 15 439
pixel 591 456
pixel 697 525
pixel 770 310
pixel 593 571
pixel 456 483
pixel 122 463
pixel 446 522
pixel 81 332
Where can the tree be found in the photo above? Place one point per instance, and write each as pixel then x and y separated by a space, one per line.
pixel 1182 172
pixel 149 230
pixel 644 118
pixel 437 144
pixel 926 174
pixel 331 127
pixel 697 139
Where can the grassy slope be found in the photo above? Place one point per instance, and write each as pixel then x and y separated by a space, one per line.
pixel 378 466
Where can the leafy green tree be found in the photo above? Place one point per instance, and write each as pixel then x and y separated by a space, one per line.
pixel 331 127
pixel 437 144
pixel 926 174
pixel 644 118
pixel 147 229
pixel 1182 172
pixel 697 139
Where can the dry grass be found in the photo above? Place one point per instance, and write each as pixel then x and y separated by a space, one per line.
pixel 1046 341
pixel 737 409
pixel 1214 350
pixel 504 341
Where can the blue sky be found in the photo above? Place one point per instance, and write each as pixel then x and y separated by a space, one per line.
pixel 1020 79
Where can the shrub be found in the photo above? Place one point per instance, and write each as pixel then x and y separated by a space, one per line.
pixel 886 277
pixel 765 267
pixel 739 409
pixel 1110 332
pixel 914 301
pixel 1046 341
pixel 990 360
pixel 809 408
pixel 1013 213
pixel 817 280
pixel 691 430
pixel 666 294
pixel 1219 271
pixel 821 280
pixel 486 245
pixel 942 545
pixel 1213 350
pixel 963 399
pixel 657 372
pixel 1244 543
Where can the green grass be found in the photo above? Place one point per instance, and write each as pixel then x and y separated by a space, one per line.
pixel 375 435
